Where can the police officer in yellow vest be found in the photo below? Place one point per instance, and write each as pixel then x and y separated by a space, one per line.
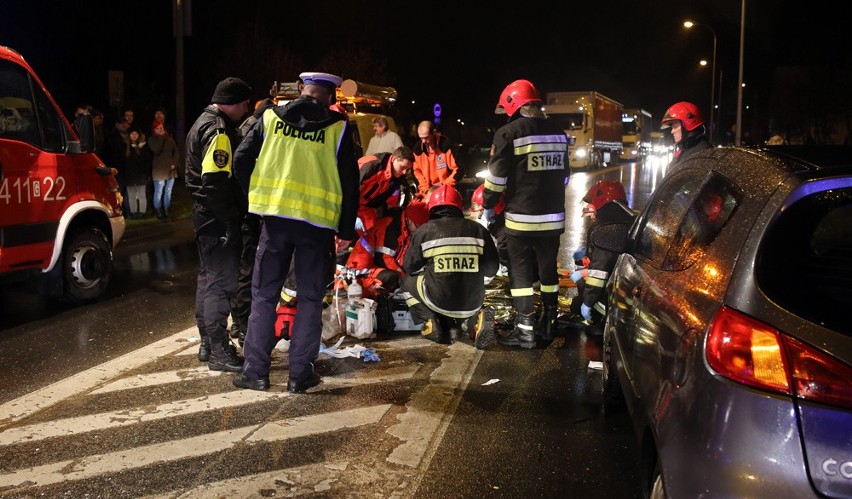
pixel 216 216
pixel 299 168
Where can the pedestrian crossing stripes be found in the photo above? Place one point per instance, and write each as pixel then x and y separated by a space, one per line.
pixel 430 388
pixel 86 467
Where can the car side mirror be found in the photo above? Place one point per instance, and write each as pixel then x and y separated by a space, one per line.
pixel 611 237
pixel 85 128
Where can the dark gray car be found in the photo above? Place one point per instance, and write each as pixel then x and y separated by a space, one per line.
pixel 729 322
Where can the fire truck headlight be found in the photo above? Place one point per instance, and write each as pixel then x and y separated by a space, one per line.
pixel 581 152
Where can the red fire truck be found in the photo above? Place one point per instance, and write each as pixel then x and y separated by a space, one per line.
pixel 60 206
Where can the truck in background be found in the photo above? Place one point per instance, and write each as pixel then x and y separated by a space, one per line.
pixel 593 124
pixel 636 138
pixel 60 206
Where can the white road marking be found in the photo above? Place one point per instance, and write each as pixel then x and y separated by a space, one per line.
pixel 122 460
pixel 300 480
pixel 38 400
pixel 159 378
pixel 125 417
pixel 429 411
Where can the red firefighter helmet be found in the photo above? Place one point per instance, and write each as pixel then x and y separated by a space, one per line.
pixel 685 112
pixel 477 198
pixel 516 94
pixel 603 192
pixel 417 212
pixel 445 195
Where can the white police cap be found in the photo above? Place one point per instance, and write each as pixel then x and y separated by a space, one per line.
pixel 324 79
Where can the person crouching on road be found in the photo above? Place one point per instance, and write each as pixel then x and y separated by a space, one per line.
pixel 530 168
pixel 216 216
pixel 445 265
pixel 608 208
pixel 379 255
pixel 299 169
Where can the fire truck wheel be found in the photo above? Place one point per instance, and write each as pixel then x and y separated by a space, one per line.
pixel 86 266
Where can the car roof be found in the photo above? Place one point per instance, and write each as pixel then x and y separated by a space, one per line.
pixel 814 156
pixel 762 169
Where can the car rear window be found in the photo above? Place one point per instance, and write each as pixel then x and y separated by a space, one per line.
pixel 805 259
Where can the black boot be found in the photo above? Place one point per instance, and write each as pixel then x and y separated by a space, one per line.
pixel 160 214
pixel 523 335
pixel 480 328
pixel 546 326
pixel 433 329
pixel 204 349
pixel 223 357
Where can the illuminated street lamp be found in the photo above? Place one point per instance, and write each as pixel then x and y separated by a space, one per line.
pixel 689 25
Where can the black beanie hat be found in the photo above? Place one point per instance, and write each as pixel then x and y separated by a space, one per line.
pixel 231 90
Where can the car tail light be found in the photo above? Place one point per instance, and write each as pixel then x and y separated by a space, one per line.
pixel 752 353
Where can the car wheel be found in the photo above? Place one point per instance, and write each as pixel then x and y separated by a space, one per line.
pixel 86 266
pixel 610 387
pixel 658 490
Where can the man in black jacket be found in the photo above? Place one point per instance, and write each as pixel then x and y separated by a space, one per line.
pixel 445 265
pixel 216 217
pixel 529 168
pixel 612 219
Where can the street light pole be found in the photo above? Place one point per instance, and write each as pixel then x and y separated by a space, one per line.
pixel 740 84
pixel 688 25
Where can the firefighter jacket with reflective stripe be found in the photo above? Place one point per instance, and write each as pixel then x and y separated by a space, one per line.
pixel 299 163
pixel 378 185
pixel 530 165
pixel 453 255
pixel 434 166
pixel 219 202
pixel 602 261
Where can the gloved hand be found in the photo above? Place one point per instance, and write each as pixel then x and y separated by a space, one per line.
pixel 359 225
pixel 488 215
pixel 579 275
pixel 578 255
pixel 586 312
pixel 232 236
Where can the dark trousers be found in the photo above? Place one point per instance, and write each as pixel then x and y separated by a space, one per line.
pixel 241 304
pixel 217 283
pixel 531 259
pixel 312 249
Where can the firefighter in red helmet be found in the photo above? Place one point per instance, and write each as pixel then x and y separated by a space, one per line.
pixel 605 240
pixel 529 168
pixel 445 265
pixel 687 129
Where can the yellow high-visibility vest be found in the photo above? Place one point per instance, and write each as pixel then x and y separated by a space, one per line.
pixel 296 174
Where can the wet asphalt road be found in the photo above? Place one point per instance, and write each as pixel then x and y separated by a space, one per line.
pixel 108 400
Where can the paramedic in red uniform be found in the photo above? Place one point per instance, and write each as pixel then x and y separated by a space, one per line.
pixel 382 179
pixel 381 252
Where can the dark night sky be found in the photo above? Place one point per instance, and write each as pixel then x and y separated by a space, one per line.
pixel 635 52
